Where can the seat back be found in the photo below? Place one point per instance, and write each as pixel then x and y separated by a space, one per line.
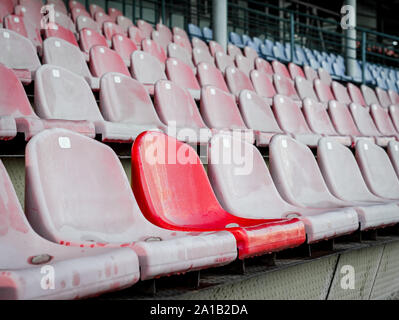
pixel 89 38
pixel 154 49
pixel 83 22
pixel 382 120
pixel 280 69
pixel 198 43
pixel 181 73
pixel 305 89
pixel 237 80
pixel 363 120
pixel 285 86
pixel 146 68
pixel 209 75
pixel 202 55
pixel 342 119
pixel 263 65
pixel 383 97
pixel 393 153
pixel 215 47
pixel 317 117
pixel 356 95
pixel 60 32
pixel 263 84
pixel 219 109
pixel 114 13
pixel 233 51
pixel 250 53
pixel 123 46
pixel 394 96
pixel 160 39
pixel 324 75
pixel 295 71
pixel 179 53
pixel 61 94
pixel 145 28
pixel 180 32
pixel 223 61
pixel 323 91
pixel 310 73
pixel 244 64
pixel 111 29
pixel 369 95
pixel 77 12
pixel 183 42
pixel 341 93
pixel 136 35
pixel 124 22
pixel 103 60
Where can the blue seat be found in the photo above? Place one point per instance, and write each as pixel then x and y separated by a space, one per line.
pixel 267 51
pixel 327 65
pixel 207 33
pixel 382 83
pixel 236 39
pixel 339 71
pixel 279 52
pixel 392 85
pixel 245 39
pixel 194 31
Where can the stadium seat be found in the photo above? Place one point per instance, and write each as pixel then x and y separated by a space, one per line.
pixel 165 33
pixel 393 153
pixel 63 95
pixel 233 50
pixel 383 97
pixel 136 35
pixel 147 70
pixel 324 76
pixel 18 54
pixel 209 75
pixel 194 31
pixel 294 169
pixel 6 8
pixel 394 96
pixel 369 95
pixel 124 47
pixel 103 60
pixel 179 53
pixel 366 125
pixel 250 53
pixel 176 108
pixel 263 65
pixel 258 116
pixel 215 47
pixel 356 95
pixel 61 53
pixel 219 111
pixel 76 12
pixel 124 22
pixel 114 13
pixel 383 121
pixel 65 21
pixel 101 18
pixel 153 48
pixel 198 43
pixel 207 33
pixel 181 73
pixel 160 251
pixel 78 271
pixel 263 85
pixel 76 4
pixel 341 93
pixel 319 122
pixel 292 121
pixel 89 38
pixel 60 32
pixel 110 29
pixel 197 207
pixel 344 179
pixel 93 9
pixel 377 170
pixel 183 42
pixel 201 55
pixel 26 29
pixel 145 28
pixel 125 100
pixel 295 71
pixel 83 22
pixel 161 39
pixel 237 81
pixel 244 64
pixel 323 91
pixel 223 61
pixel 180 32
pixel 310 73
pixel 305 90
pixel 285 86
pixel 17 115
pixel 280 69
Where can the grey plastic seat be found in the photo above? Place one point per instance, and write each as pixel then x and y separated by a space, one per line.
pixel 344 179
pixel 246 189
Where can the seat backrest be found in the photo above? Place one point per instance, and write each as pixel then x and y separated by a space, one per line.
pixel 324 76
pixel 136 35
pixel 179 53
pixel 251 195
pixel 233 51
pixel 145 27
pixel 180 32
pixel 363 120
pixel 393 153
pixel 341 172
pixel 244 64
pixel 340 93
pixel 295 71
pixel 369 95
pixel 323 91
pixel 208 33
pixel 289 115
pixel 219 109
pixel 181 73
pixel 215 47
pixel 310 73
pixel 223 61
pixel 164 32
pixel 194 30
pixel 382 120
pixel 153 48
pixel 61 94
pixel 94 8
pixel 394 96
pixel 17 52
pixel 124 22
pixel 383 97
pixel 202 55
pixel 87 22
pixel 123 99
pixel 183 42
pixel 198 43
pixel 317 117
pixel 280 69
pixel 61 53
pixel 60 32
pixel 250 53
pixel 296 174
pixel 89 38
pixel 342 119
pixel 6 8
pixel 111 29
pixel 175 104
pixel 237 80
pixel 15 104
pixel 257 113
pixel 123 46
pixel 161 39
pixel 285 86
pixel 235 38
pixel 103 60
pixel 146 68
pixel 263 84
pixel 377 170
pixel 263 65
pixel 65 21
pixel 71 209
pixel 114 13
pixel 76 12
pixel 15 23
pixel 305 89
pixel 209 75
pixel 356 95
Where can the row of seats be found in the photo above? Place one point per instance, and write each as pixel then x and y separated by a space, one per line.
pixel 242 210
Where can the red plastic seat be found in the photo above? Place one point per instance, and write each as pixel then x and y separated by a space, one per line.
pixel 103 60
pixel 383 97
pixel 111 29
pixel 394 96
pixel 394 113
pixel 65 21
pixel 177 109
pixel 114 13
pixel 292 121
pixel 62 33
pixel 263 85
pixel 145 28
pixel 324 76
pixel 154 49
pixel 201 55
pixel 209 75
pixel 237 81
pixel 94 8
pixel 356 95
pixel 76 4
pixel 6 8
pixel 89 38
pixel 101 18
pixel 251 54
pixel 219 111
pixel 258 116
pixel 124 22
pixel 147 70
pixel 295 71
pixel 263 65
pixel 341 93
pixel 78 271
pixel 285 87
pixel 369 95
pixel 160 39
pixel 183 42
pixel 195 206
pixel 382 121
pixel 280 69
pixel 310 73
pixel 19 54
pixel 124 47
pixel 223 61
pixel 233 50
pixel 198 43
pixel 179 53
pixel 323 91
pixel 215 47
pixel 180 73
pixel 83 22
pixel 164 32
pixel 136 35
pixel 76 12
pixel 393 153
pixel 305 89
pixel 180 32
pixel 244 64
